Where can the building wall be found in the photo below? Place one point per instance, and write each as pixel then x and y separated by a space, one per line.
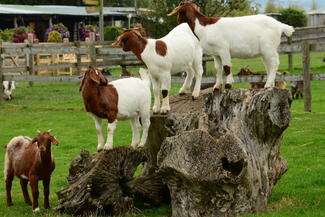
pixel 316 19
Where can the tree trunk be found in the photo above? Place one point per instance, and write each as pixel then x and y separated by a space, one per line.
pixel 104 184
pixel 220 155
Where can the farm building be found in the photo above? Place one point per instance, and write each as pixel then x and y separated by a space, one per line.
pixel 43 16
pixel 316 18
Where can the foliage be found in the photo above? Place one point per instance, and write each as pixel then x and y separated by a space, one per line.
pixel 54 36
pixel 86 30
pixel 111 32
pixel 43 2
pixel 21 33
pixel 293 17
pixel 221 7
pixel 60 28
pixel 313 6
pixel 6 34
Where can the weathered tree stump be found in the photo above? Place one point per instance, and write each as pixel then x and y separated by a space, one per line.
pixel 104 184
pixel 220 155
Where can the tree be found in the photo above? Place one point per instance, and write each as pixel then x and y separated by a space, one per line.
pixel 313 6
pixel 271 7
pixel 43 2
pixel 293 17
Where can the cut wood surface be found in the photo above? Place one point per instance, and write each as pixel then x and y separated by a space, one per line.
pixel 220 155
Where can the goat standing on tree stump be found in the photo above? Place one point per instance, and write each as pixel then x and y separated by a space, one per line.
pixel 176 52
pixel 30 160
pixel 123 99
pixel 238 37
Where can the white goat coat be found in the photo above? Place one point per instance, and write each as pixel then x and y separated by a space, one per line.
pixel 245 36
pixel 133 97
pixel 184 53
pixel 182 50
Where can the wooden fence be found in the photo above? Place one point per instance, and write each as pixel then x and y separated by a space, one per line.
pixel 103 54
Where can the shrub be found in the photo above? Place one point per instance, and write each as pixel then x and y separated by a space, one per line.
pixel 62 29
pixel 111 32
pixel 86 30
pixel 54 36
pixel 293 17
pixel 21 33
pixel 6 34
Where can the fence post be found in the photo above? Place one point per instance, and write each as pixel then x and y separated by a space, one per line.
pixel 1 74
pixel 290 59
pixel 31 57
pixel 92 50
pixel 78 56
pixel 306 70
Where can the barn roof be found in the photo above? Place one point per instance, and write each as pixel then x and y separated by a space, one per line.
pixel 60 10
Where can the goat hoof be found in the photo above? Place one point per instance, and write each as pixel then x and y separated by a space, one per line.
pixel 182 94
pixel 228 86
pixel 99 150
pixel 194 98
pixel 36 209
pixel 217 90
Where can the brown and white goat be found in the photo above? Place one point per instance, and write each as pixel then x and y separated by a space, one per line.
pixel 30 160
pixel 259 85
pixel 122 99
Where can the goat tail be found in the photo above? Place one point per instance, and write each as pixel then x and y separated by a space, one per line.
pixel 287 30
pixel 145 76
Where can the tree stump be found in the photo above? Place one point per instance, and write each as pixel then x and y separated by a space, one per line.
pixel 104 184
pixel 220 155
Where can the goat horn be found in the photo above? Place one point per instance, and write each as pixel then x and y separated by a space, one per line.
pixel 38 131
pixel 49 130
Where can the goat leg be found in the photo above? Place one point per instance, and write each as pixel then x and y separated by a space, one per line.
pixel 35 193
pixel 46 186
pixel 23 184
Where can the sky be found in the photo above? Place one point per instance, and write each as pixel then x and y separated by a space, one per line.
pixel 285 3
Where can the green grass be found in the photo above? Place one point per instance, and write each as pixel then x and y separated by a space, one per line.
pixel 58 106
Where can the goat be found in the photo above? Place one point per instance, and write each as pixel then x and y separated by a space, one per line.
pixel 178 51
pixel 258 85
pixel 123 99
pixel 297 89
pixel 30 160
pixel 239 37
pixel 8 87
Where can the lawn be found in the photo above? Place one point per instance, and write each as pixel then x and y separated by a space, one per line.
pixel 58 106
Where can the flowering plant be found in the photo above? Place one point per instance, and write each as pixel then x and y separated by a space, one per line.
pixel 62 29
pixel 21 33
pixel 86 30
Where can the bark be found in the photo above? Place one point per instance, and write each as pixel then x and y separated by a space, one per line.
pixel 220 155
pixel 104 184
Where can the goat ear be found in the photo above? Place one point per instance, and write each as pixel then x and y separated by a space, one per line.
pixel 175 11
pixel 82 83
pixel 118 41
pixel 35 140
pixel 54 141
pixel 95 77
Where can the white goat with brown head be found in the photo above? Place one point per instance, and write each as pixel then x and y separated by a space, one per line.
pixel 239 37
pixel 176 52
pixel 123 99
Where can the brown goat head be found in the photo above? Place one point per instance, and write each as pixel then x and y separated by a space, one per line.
pixel 245 71
pixel 44 140
pixel 129 38
pixel 185 11
pixel 93 75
